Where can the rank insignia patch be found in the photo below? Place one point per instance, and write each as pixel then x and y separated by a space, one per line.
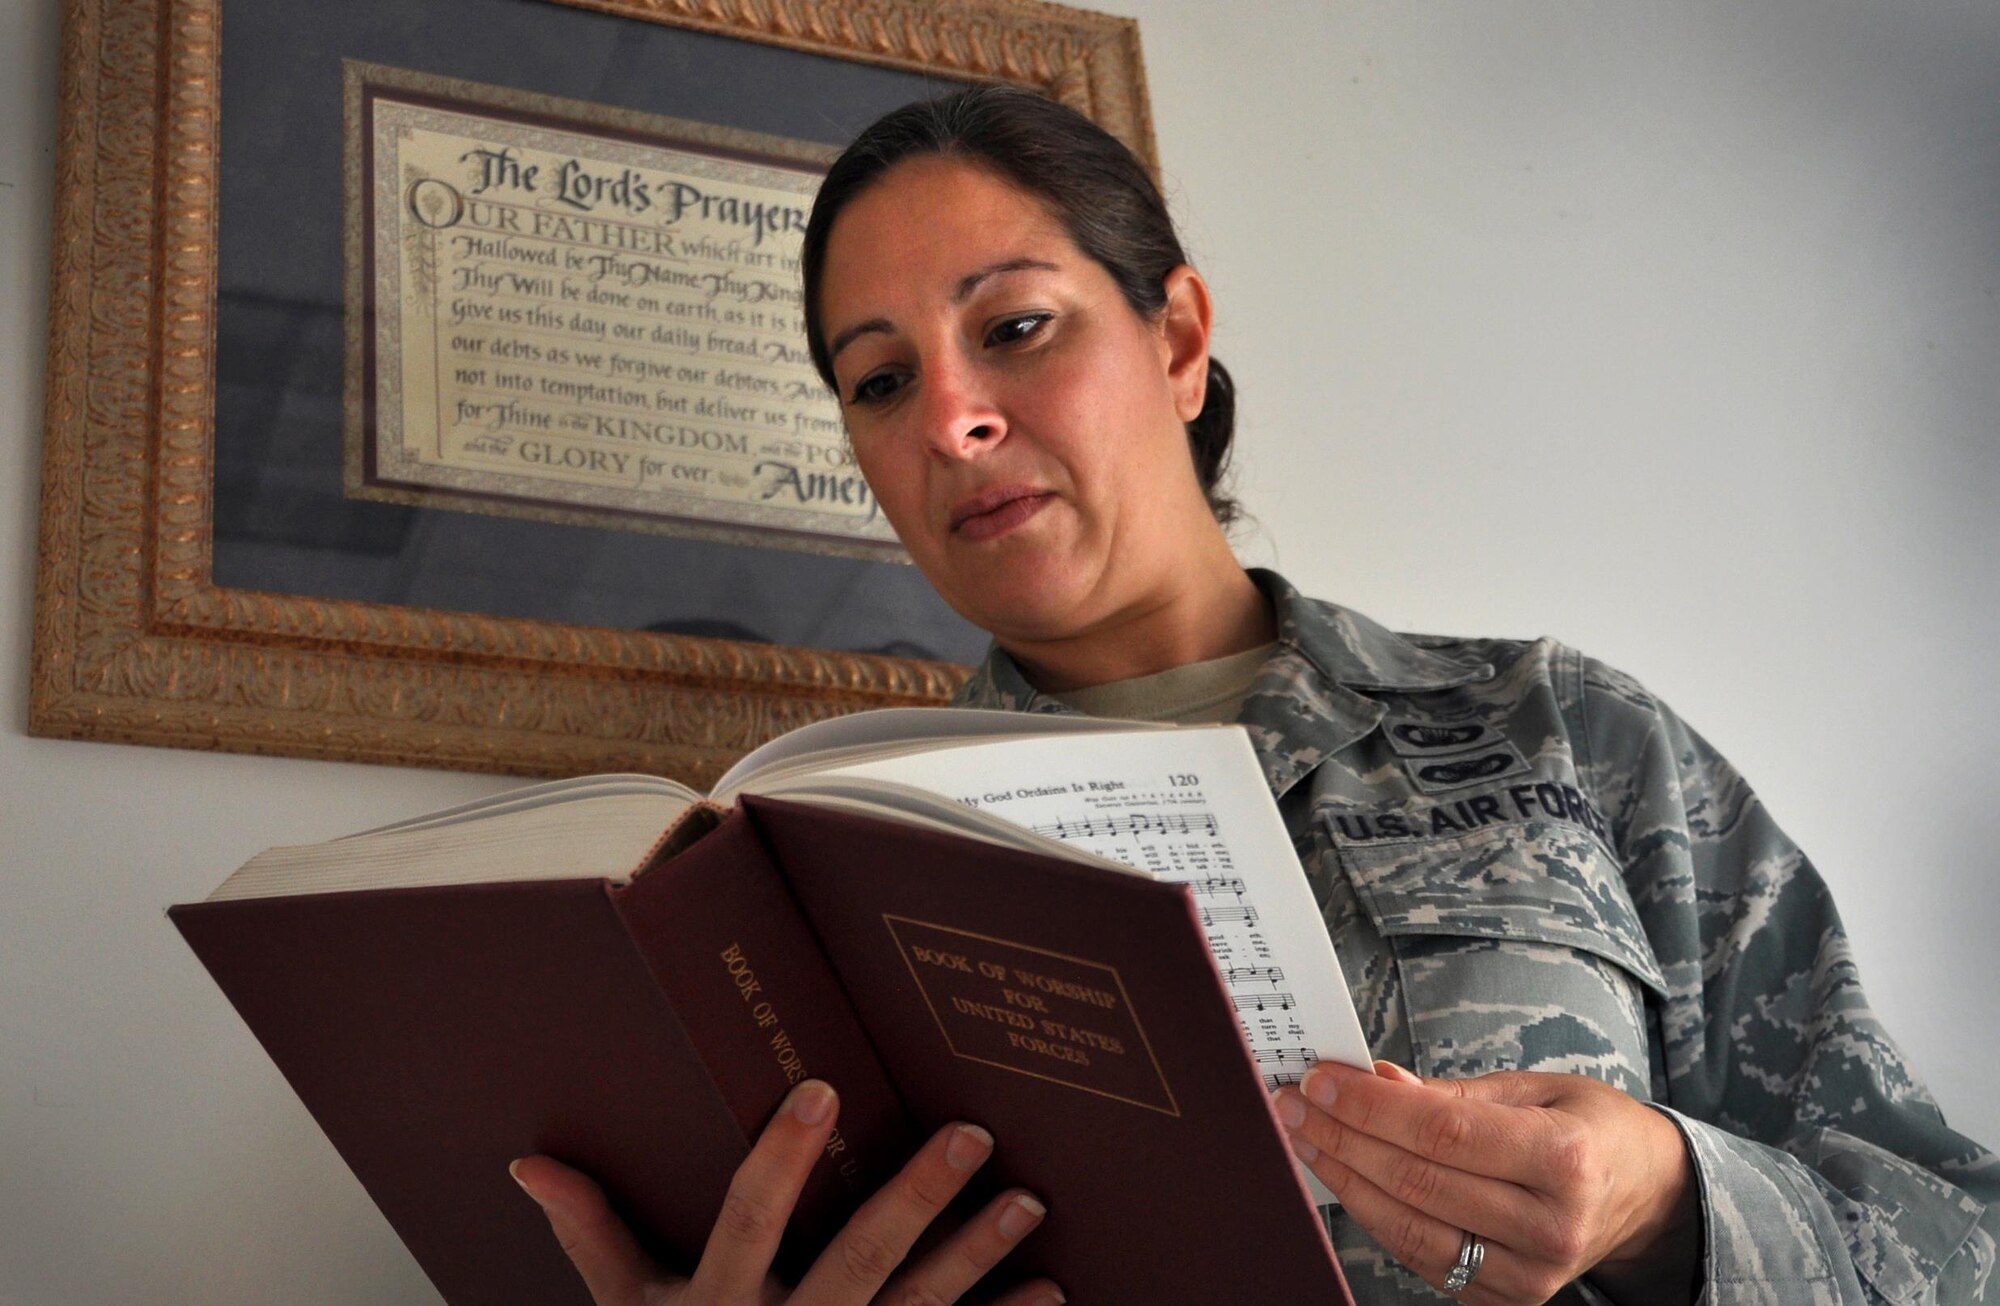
pixel 1427 738
pixel 1435 774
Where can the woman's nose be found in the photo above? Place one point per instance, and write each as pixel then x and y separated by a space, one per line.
pixel 961 418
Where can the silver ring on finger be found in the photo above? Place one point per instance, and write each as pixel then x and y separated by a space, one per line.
pixel 1471 1255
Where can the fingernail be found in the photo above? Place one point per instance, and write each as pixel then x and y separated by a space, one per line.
pixel 1021 1215
pixel 1052 1297
pixel 812 1101
pixel 514 1173
pixel 968 1146
pixel 1390 1070
pixel 1291 1111
pixel 1319 1086
pixel 1303 1150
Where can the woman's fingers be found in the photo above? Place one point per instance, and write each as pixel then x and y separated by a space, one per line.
pixel 874 1242
pixel 964 1258
pixel 612 1264
pixel 1457 1197
pixel 853 1268
pixel 1475 1125
pixel 1421 1241
pixel 1036 1292
pixel 1560 1174
pixel 762 1193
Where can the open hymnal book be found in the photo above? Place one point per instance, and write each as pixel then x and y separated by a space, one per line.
pixel 1091 937
pixel 1183 804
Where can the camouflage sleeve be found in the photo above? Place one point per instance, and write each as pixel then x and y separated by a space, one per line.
pixel 1827 1173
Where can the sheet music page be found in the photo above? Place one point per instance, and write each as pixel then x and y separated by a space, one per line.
pixel 1188 806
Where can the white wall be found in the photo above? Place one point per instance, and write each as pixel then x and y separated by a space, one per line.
pixel 1671 330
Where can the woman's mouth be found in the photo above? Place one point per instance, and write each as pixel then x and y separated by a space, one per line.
pixel 993 513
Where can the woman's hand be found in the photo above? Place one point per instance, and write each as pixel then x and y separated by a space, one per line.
pixel 1559 1176
pixel 862 1264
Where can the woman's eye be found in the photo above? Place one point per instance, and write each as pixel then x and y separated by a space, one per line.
pixel 1013 330
pixel 874 389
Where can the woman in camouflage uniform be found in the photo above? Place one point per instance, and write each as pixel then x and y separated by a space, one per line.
pixel 1644 1070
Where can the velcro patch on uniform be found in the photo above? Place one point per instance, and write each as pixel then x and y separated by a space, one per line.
pixel 1457 770
pixel 1426 738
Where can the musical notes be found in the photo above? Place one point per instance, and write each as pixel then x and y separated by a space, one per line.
pixel 1254 975
pixel 1245 914
pixel 1288 1065
pixel 1265 1002
pixel 1132 823
pixel 1209 886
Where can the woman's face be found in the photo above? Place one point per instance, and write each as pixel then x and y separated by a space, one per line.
pixel 1022 427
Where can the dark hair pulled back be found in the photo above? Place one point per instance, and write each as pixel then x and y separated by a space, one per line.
pixel 1093 185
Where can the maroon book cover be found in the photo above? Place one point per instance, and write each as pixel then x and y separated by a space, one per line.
pixel 435 1034
pixel 1075 1012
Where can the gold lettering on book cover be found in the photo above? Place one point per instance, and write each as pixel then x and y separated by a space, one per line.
pixel 793 1066
pixel 1035 1012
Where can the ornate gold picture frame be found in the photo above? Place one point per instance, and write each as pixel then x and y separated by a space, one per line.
pixel 136 642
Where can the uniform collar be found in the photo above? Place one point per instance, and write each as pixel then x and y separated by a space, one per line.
pixel 1351 650
pixel 1311 699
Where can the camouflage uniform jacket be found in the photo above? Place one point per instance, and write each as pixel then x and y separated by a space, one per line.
pixel 1527 862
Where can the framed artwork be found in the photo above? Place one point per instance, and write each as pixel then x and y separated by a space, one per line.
pixel 425 383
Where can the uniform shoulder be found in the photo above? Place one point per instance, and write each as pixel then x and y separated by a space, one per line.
pixel 1605 683
pixel 1581 680
pixel 1517 664
pixel 1598 677
pixel 1621 718
pixel 1608 711
pixel 1498 651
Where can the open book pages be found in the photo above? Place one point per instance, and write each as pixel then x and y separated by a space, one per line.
pixel 580 834
pixel 548 794
pixel 825 744
pixel 602 826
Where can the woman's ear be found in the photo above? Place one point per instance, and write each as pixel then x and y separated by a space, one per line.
pixel 1184 328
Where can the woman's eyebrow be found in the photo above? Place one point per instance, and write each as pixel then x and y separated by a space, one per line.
pixel 971 282
pixel 966 285
pixel 850 335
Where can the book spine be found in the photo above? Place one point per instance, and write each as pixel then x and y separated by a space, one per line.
pixel 731 950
